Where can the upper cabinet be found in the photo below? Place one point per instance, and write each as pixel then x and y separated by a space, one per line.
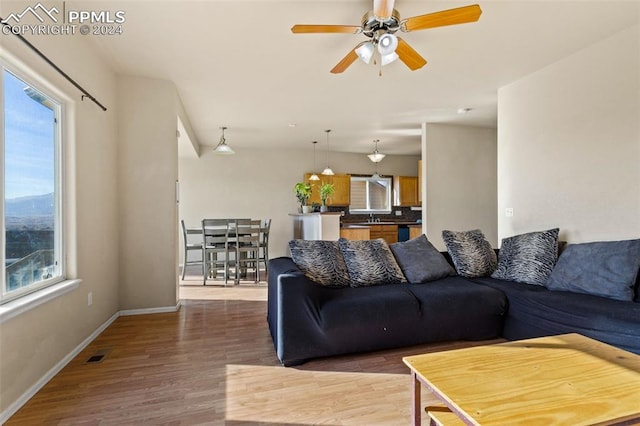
pixel 341 183
pixel 405 190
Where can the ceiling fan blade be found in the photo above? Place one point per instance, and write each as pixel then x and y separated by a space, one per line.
pixel 409 56
pixel 383 9
pixel 306 29
pixel 345 62
pixel 461 15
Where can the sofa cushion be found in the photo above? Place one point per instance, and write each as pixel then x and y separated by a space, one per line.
pixel 420 261
pixel 471 253
pixel 321 261
pixel 528 258
pixel 370 262
pixel 604 268
pixel 535 311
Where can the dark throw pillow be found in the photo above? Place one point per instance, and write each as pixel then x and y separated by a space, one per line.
pixel 420 261
pixel 470 252
pixel 321 261
pixel 604 268
pixel 370 262
pixel 528 258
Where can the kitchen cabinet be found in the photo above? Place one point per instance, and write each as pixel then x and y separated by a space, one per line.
pixel 342 185
pixel 405 190
pixel 389 233
pixel 355 232
pixel 415 231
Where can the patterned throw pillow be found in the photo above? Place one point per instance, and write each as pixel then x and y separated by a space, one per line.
pixel 420 261
pixel 528 258
pixel 471 253
pixel 321 261
pixel 370 262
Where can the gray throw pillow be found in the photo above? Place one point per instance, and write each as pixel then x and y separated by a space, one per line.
pixel 604 268
pixel 321 261
pixel 528 258
pixel 470 252
pixel 420 261
pixel 370 262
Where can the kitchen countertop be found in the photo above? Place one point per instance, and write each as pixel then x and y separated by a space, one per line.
pixel 399 222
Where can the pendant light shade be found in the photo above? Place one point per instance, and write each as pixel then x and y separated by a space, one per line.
pixel 328 171
pixel 223 148
pixel 376 156
pixel 314 176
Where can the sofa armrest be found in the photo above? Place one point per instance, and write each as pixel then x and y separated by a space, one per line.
pixel 293 311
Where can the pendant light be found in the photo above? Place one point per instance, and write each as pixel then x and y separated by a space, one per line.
pixel 314 176
pixel 376 157
pixel 328 171
pixel 223 148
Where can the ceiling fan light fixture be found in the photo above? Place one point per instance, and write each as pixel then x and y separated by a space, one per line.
pixel 387 44
pixel 365 52
pixel 387 59
pixel 223 148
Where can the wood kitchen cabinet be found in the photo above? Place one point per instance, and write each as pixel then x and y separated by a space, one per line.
pixel 405 190
pixel 389 233
pixel 342 185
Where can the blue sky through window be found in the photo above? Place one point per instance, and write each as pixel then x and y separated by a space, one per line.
pixel 29 140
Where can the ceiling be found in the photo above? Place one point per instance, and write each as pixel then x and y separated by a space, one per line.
pixel 237 64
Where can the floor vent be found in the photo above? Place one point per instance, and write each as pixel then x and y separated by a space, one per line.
pixel 97 357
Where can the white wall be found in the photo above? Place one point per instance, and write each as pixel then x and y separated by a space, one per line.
pixel 569 145
pixel 34 342
pixel 148 171
pixel 258 183
pixel 461 180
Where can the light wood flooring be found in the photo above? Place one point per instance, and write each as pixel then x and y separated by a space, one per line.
pixel 213 363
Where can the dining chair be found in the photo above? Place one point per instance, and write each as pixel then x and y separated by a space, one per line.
pixel 247 247
pixel 215 250
pixel 191 244
pixel 263 254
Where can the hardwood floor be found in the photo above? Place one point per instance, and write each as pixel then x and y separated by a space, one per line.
pixel 213 363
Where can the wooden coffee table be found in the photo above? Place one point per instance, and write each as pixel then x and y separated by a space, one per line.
pixel 558 380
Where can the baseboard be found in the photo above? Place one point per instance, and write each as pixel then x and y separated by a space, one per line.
pixel 146 311
pixel 16 405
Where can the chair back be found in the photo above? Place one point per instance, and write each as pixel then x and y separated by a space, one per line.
pixel 215 232
pixel 265 227
pixel 247 232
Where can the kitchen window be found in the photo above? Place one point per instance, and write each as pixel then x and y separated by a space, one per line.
pixel 371 195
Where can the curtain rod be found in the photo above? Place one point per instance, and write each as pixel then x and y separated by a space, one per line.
pixel 57 68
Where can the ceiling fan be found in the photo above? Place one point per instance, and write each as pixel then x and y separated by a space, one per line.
pixel 380 26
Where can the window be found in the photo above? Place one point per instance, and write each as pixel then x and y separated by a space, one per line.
pixel 370 195
pixel 31 207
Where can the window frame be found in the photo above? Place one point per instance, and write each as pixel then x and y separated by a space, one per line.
pixel 389 195
pixel 59 111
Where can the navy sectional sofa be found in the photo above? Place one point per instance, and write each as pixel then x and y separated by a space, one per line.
pixel 308 321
